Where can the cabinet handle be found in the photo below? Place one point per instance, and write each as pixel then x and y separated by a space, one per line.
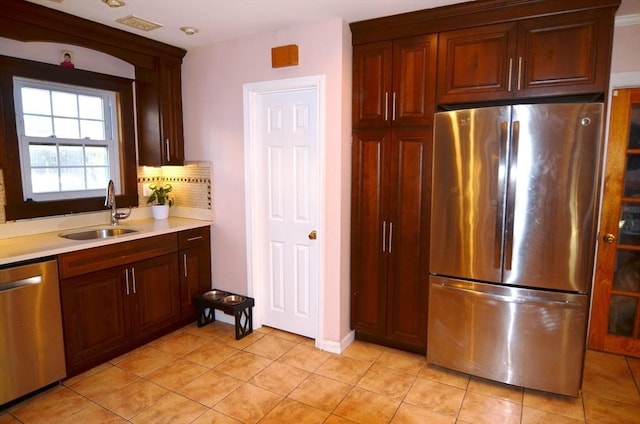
pixel 390 235
pixel 168 150
pixel 386 105
pixel 126 277
pixel 393 107
pixel 519 71
pixel 133 278
pixel 184 263
pixel 510 73
pixel 384 236
pixel 194 238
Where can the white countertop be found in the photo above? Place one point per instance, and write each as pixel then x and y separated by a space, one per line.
pixel 34 246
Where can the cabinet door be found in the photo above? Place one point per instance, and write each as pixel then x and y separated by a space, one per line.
pixel 94 317
pixel 369 229
pixel 371 84
pixel 159 112
pixel 155 294
pixel 564 54
pixel 615 316
pixel 414 80
pixel 195 267
pixel 171 113
pixel 476 64
pixel 409 212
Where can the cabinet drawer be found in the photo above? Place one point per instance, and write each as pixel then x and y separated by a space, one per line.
pixel 194 237
pixel 97 258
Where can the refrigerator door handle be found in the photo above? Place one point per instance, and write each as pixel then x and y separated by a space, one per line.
pixel 511 195
pixel 497 241
pixel 529 300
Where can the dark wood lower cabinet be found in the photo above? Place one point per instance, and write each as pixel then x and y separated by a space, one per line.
pixel 195 267
pixel 110 309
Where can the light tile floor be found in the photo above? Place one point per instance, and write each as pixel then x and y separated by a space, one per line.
pixel 203 375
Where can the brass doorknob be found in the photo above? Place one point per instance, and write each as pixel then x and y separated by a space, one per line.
pixel 609 238
pixel 313 235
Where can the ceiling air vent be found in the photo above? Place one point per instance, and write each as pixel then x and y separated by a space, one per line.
pixel 138 23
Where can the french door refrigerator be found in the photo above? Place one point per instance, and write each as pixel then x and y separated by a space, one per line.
pixel 513 232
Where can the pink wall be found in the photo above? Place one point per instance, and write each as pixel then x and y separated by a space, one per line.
pixel 626 50
pixel 213 78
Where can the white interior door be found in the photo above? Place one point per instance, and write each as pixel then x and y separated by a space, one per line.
pixel 285 205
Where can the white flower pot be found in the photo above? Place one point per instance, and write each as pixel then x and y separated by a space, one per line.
pixel 160 211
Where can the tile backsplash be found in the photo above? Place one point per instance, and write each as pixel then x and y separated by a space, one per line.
pixel 191 185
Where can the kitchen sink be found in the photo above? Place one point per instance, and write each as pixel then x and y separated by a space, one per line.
pixel 96 233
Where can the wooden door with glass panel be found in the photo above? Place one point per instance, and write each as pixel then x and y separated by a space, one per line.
pixel 615 316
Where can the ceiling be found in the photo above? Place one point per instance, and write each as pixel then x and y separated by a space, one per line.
pixel 219 20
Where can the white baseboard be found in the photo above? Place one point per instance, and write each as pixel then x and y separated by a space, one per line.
pixel 335 347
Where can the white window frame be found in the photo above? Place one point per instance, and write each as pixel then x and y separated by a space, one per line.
pixel 111 141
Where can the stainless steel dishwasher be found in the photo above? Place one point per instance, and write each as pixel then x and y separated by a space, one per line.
pixel 31 341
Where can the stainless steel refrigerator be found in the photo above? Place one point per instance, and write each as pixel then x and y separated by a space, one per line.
pixel 513 232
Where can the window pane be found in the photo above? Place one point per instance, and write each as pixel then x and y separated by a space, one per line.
pixel 66 128
pixel 95 155
pixel 64 104
pixel 44 180
pixel 43 155
pixel 72 179
pixel 97 177
pixel 91 107
pixel 622 312
pixel 37 126
pixel 71 156
pixel 35 101
pixel 92 129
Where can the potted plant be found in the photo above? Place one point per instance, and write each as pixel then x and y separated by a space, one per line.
pixel 160 200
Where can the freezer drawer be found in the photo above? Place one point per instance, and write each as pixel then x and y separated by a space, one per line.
pixel 529 338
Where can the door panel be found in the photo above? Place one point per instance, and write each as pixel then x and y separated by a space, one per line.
pixel 372 84
pixel 468 193
pixel 615 317
pixel 95 317
pixel 476 64
pixel 288 127
pixel 563 54
pixel 155 293
pixel 555 162
pixel 369 228
pixel 410 199
pixel 414 80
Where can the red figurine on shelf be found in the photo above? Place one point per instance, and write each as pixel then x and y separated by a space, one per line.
pixel 67 63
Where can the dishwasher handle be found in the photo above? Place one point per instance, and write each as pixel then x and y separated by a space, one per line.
pixel 23 282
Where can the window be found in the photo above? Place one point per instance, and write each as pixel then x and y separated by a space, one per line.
pixel 67 139
pixel 74 125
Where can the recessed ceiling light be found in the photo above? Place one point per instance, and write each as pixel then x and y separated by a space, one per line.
pixel 113 3
pixel 189 30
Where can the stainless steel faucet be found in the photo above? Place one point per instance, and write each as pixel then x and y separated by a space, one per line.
pixel 110 202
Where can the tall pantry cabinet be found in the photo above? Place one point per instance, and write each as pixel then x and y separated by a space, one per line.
pixel 393 105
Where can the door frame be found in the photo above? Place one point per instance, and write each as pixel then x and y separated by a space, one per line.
pixel 254 237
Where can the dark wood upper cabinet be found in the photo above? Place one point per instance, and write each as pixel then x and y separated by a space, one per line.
pixel 157 66
pixel 159 103
pixel 476 63
pixel 559 55
pixel 394 82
